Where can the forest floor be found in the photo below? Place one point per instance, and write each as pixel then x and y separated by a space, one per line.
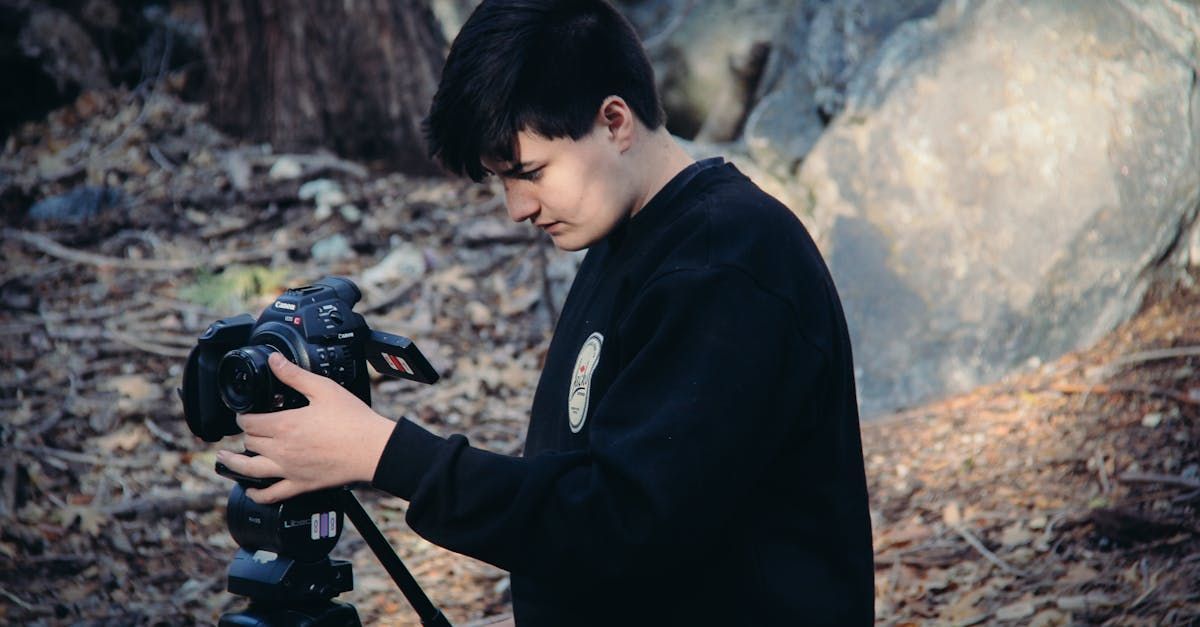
pixel 1066 494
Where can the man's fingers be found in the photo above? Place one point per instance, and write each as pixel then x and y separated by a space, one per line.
pixel 257 424
pixel 285 489
pixel 258 466
pixel 258 444
pixel 296 377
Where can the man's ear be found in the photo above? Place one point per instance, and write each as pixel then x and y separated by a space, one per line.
pixel 617 121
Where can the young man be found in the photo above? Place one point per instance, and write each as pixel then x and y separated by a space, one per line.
pixel 693 454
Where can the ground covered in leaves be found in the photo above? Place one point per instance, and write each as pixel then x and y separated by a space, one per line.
pixel 1063 495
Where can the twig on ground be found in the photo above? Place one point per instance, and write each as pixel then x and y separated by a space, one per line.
pixel 16 599
pixel 54 249
pixel 75 333
pixel 163 162
pixel 1187 497
pixel 1146 477
pixel 83 458
pixel 988 555
pixel 164 505
pixel 1075 388
pixel 163 434
pixel 1151 585
pixel 149 347
pixel 1153 355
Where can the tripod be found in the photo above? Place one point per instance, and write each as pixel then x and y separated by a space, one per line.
pixel 286 591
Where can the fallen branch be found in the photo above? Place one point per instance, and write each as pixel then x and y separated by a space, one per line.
pixel 54 249
pixel 908 559
pixel 83 458
pixel 16 599
pixel 1075 388
pixel 164 505
pixel 149 347
pixel 76 333
pixel 1155 355
pixel 1146 477
pixel 163 162
pixel 163 434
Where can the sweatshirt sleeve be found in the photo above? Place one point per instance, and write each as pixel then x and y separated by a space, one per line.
pixel 714 376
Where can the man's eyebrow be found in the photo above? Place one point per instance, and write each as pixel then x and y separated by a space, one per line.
pixel 516 169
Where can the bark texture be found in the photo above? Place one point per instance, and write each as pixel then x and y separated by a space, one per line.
pixel 354 76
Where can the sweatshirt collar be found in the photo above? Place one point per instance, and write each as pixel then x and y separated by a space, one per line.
pixel 658 208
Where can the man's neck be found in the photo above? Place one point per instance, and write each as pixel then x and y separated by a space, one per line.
pixel 660 158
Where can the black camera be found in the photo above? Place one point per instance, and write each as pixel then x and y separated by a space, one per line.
pixel 283 564
pixel 314 327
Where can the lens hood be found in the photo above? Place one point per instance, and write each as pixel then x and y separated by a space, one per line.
pixel 206 415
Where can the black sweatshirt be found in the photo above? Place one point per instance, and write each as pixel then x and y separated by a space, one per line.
pixel 693 454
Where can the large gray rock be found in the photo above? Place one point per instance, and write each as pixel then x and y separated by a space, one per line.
pixel 1002 183
pixel 819 47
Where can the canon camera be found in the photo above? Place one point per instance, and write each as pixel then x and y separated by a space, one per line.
pixel 314 327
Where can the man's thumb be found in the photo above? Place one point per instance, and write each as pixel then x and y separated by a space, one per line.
pixel 292 375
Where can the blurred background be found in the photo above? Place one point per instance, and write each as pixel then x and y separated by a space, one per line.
pixel 1006 194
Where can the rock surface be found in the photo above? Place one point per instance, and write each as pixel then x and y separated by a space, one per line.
pixel 818 49
pixel 1002 183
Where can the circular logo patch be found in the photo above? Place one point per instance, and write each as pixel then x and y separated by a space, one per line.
pixel 581 381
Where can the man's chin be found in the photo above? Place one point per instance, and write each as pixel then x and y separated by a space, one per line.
pixel 568 244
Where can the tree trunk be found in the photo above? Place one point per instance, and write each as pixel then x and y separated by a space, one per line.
pixel 354 76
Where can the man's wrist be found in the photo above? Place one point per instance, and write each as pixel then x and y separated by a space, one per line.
pixel 409 453
pixel 379 431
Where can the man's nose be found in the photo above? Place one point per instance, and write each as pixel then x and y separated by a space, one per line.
pixel 521 205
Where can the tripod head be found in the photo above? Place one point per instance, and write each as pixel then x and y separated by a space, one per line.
pixel 284 590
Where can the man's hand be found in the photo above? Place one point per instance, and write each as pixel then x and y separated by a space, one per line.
pixel 335 440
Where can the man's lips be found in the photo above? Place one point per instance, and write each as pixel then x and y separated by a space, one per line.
pixel 548 226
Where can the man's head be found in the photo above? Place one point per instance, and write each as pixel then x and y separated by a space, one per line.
pixel 548 94
pixel 544 66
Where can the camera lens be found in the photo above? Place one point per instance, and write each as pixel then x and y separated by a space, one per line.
pixel 246 382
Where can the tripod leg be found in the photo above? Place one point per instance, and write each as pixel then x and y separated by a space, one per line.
pixel 430 615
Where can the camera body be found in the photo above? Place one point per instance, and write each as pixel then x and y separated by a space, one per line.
pixel 314 327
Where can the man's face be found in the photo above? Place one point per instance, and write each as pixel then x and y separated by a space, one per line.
pixel 576 191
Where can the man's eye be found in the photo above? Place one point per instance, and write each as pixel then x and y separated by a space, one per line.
pixel 532 175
